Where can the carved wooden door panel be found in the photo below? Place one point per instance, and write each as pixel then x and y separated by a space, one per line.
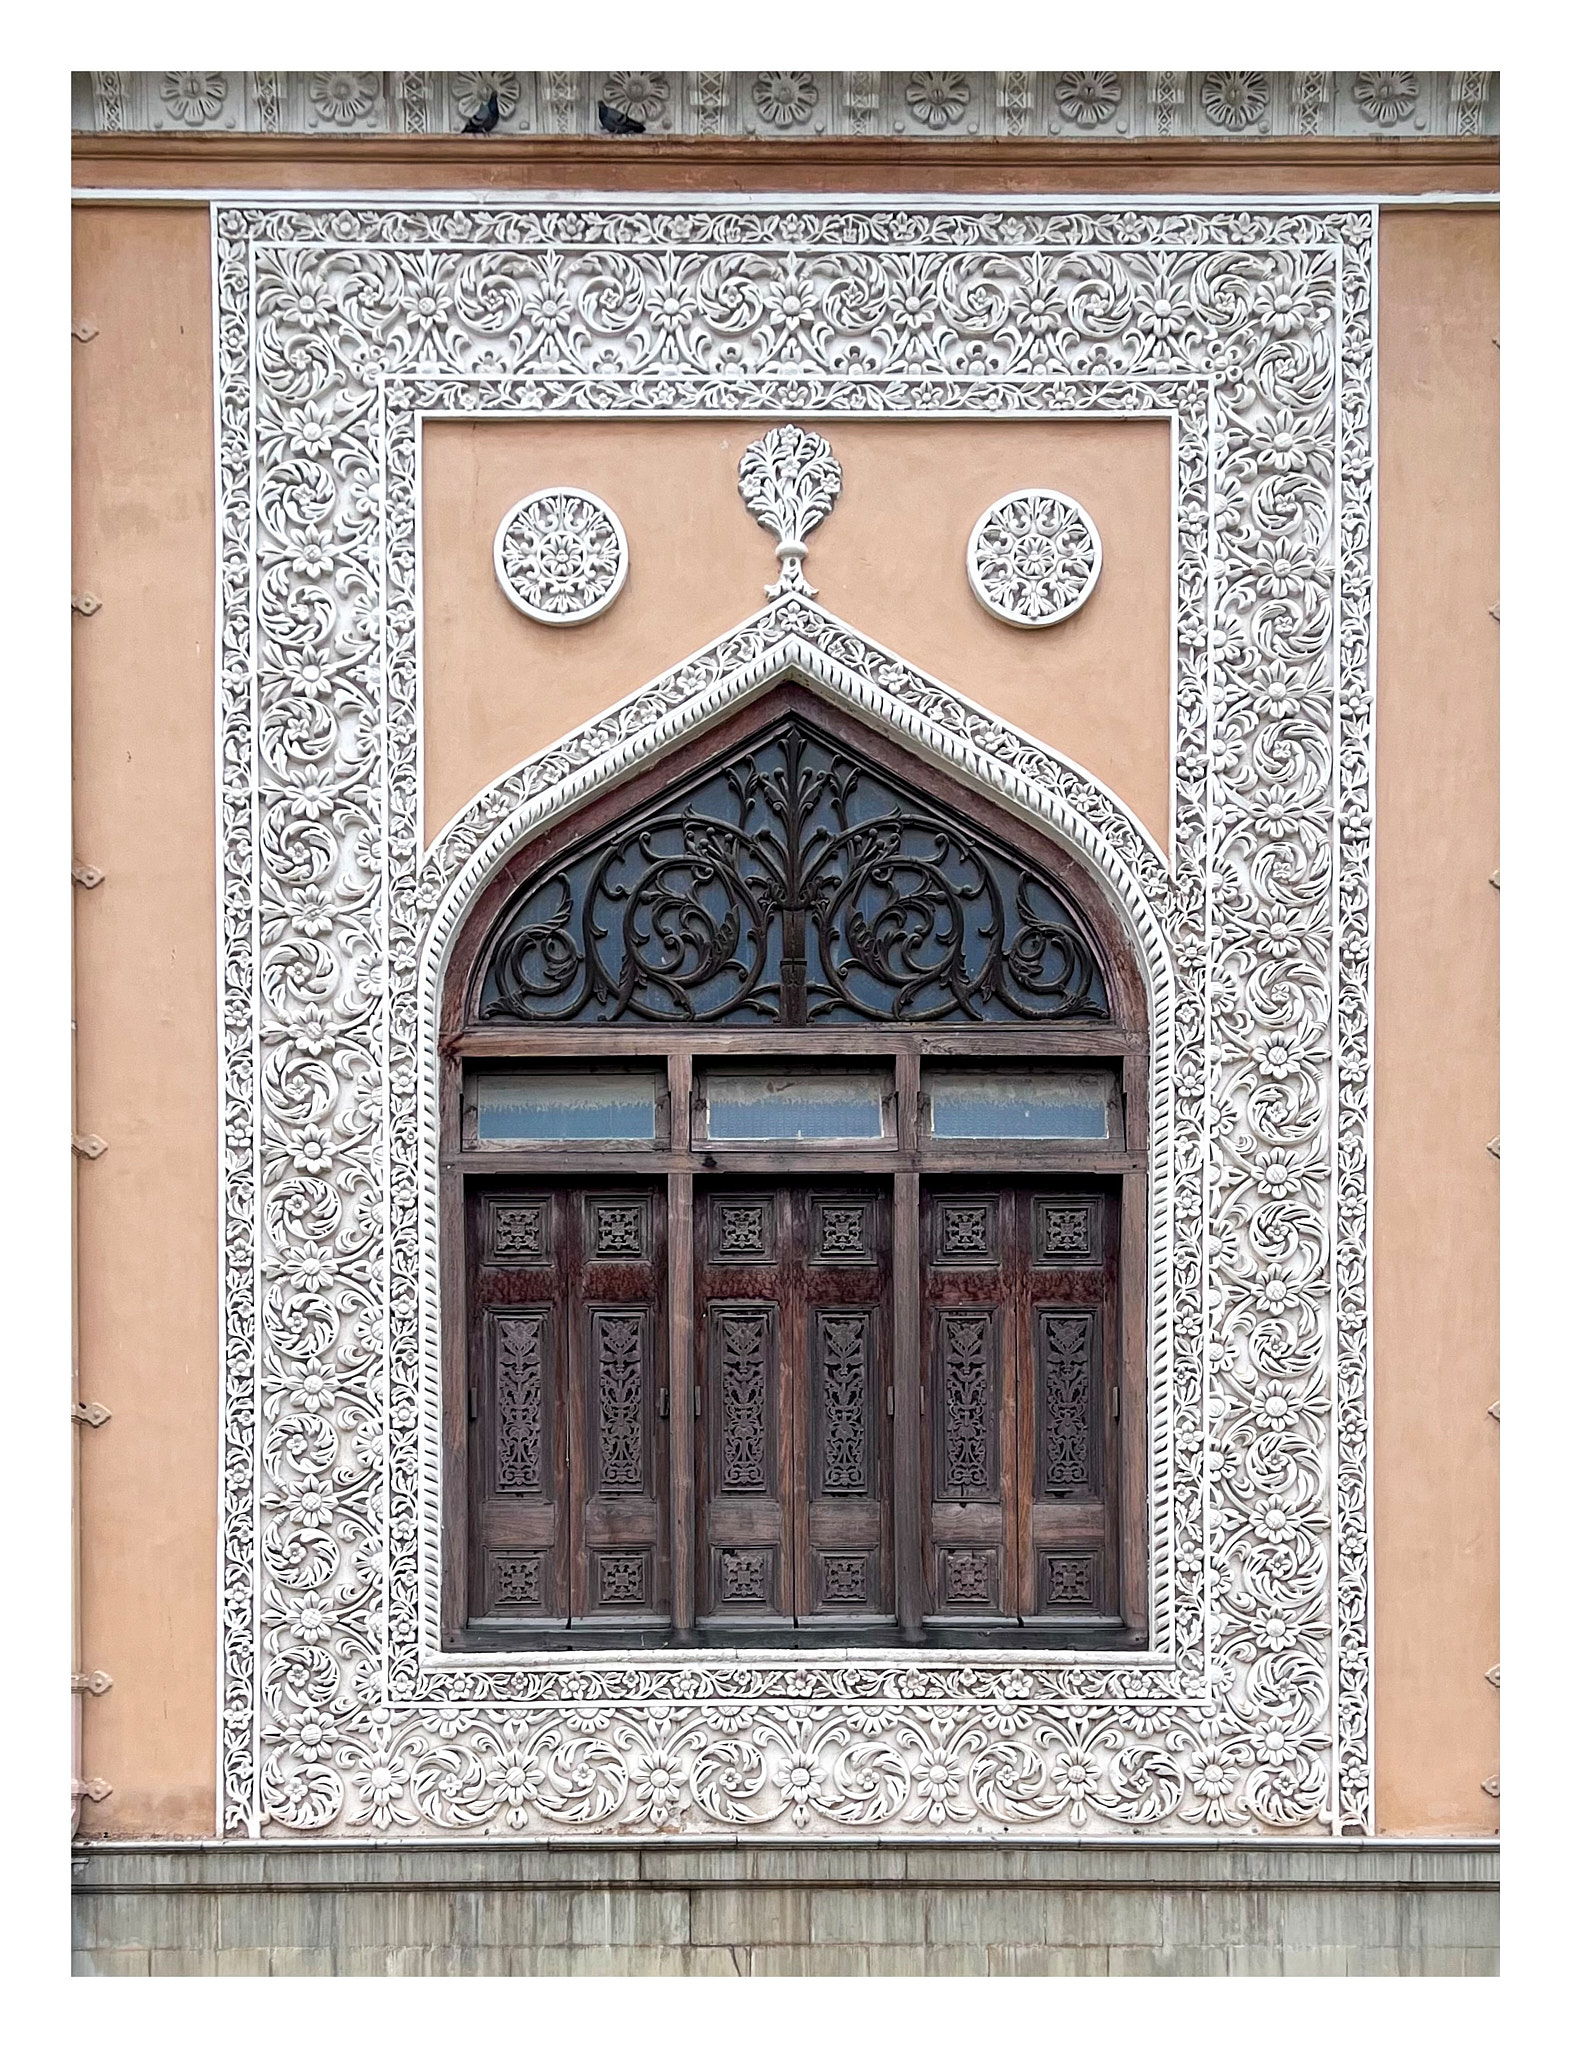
pixel 567 1401
pixel 794 1449
pixel 1019 1401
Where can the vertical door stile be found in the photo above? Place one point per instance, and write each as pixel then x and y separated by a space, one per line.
pixel 793 1395
pixel 574 1377
pixel 681 1369
pixel 1021 1481
pixel 911 1596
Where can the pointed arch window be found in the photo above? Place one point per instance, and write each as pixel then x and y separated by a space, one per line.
pixel 794 1167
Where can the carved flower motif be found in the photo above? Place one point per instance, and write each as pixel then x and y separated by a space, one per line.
pixel 1233 99
pixel 938 1785
pixel 310 1735
pixel 472 92
pixel 312 558
pixel 343 97
pixel 1034 558
pixel 1279 1175
pixel 659 1775
pixel 312 1031
pixel 561 556
pixel 938 97
pixel 194 96
pixel 641 95
pixel 784 97
pixel 1385 96
pixel 1279 1056
pixel 1089 97
pixel 311 431
pixel 309 1620
pixel 1275 1406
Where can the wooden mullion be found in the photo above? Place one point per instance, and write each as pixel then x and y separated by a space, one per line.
pixel 1127 1465
pixel 906 1286
pixel 682 1371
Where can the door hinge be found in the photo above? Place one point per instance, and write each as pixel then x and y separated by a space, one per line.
pixel 95 1682
pixel 889 1399
pixel 93 1413
pixel 84 602
pixel 83 330
pixel 90 1788
pixel 84 876
pixel 88 1145
pixel 698 1399
pixel 1115 1404
pixel 474 1404
pixel 662 1404
pixel 1492 1675
pixel 1491 1786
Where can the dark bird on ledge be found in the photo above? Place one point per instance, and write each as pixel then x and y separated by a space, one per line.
pixel 616 123
pixel 487 118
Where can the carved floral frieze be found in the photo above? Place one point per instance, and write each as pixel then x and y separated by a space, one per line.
pixel 800 106
pixel 1247 329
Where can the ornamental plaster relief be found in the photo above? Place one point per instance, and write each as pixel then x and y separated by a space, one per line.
pixel 340 327
pixel 913 106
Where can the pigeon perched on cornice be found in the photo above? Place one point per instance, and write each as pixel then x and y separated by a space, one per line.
pixel 614 122
pixel 487 118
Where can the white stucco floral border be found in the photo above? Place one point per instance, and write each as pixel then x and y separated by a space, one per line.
pixel 338 326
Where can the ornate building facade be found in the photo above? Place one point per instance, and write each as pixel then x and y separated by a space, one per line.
pixel 796 1219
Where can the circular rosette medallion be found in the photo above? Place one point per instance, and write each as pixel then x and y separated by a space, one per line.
pixel 1034 558
pixel 561 556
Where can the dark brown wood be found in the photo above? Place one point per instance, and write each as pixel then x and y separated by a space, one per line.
pixel 1027 1544
pixel 795 1443
pixel 679 1288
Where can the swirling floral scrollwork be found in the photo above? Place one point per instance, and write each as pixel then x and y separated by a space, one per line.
pixel 794 884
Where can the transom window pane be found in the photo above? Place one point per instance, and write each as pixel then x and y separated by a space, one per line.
pixel 1003 1105
pixel 522 1109
pixel 788 1108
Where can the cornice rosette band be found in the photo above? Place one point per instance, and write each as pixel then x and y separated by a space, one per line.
pixel 798 106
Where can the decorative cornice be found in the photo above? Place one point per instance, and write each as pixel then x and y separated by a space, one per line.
pixel 796 106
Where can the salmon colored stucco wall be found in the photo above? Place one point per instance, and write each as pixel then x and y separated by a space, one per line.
pixel 888 559
pixel 147 1060
pixel 1437 1188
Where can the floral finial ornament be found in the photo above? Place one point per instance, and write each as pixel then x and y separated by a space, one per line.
pixel 789 482
pixel 561 556
pixel 1034 558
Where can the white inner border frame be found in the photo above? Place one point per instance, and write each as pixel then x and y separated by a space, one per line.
pixel 339 327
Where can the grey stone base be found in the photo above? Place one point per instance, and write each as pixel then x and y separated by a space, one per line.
pixel 495 1909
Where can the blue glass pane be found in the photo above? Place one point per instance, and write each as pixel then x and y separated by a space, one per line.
pixel 536 1109
pixel 765 1107
pixel 1020 1105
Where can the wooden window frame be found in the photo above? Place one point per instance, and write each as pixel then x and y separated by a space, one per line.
pixel 912 1159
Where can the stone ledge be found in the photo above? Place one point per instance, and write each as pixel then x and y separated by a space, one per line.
pixel 845 1909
